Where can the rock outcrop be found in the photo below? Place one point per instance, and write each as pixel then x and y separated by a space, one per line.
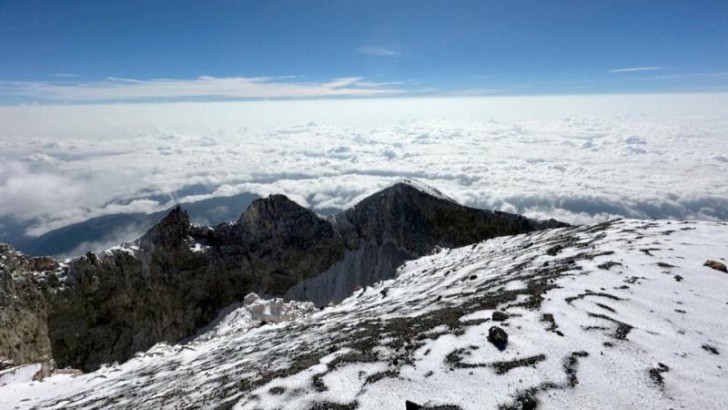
pixel 719 266
pixel 23 305
pixel 401 223
pixel 175 278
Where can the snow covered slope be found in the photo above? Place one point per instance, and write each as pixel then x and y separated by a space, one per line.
pixel 616 315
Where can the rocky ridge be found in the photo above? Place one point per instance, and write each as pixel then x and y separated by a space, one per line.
pixel 101 308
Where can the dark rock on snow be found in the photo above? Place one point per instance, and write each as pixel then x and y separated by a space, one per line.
pixel 499 316
pixel 409 405
pixel 716 265
pixel 498 337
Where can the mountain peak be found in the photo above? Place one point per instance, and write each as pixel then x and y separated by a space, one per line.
pixel 408 186
pixel 275 206
pixel 277 216
pixel 408 183
pixel 170 232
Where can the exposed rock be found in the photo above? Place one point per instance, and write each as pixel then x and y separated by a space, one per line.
pixel 716 265
pixel 499 316
pixel 498 337
pixel 23 306
pixel 710 349
pixel 656 374
pixel 6 363
pixel 397 224
pixel 409 405
pixel 46 369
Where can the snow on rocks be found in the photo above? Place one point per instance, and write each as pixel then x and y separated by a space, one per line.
pixel 423 187
pixel 275 310
pixel 593 315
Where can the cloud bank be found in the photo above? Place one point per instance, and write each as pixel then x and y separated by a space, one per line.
pixel 579 159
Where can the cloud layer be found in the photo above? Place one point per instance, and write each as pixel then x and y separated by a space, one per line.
pixel 579 159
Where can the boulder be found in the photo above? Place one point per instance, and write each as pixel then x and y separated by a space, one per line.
pixel 498 337
pixel 499 316
pixel 716 265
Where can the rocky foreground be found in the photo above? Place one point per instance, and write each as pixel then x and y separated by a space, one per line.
pixel 617 315
pixel 176 278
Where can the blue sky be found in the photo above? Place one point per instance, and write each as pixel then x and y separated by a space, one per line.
pixel 97 51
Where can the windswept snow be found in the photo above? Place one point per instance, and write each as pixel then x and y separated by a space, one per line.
pixel 423 187
pixel 616 315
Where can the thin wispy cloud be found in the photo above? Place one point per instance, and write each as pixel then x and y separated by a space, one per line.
pixel 636 69
pixel 377 51
pixel 65 75
pixel 703 75
pixel 125 89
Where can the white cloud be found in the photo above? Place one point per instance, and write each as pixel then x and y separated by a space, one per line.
pixel 123 89
pixel 27 194
pixel 635 69
pixel 579 159
pixel 377 51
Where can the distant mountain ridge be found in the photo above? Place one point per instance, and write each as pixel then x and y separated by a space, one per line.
pixel 176 277
pixel 98 233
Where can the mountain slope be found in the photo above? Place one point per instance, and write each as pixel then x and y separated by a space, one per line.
pixel 175 278
pixel 616 315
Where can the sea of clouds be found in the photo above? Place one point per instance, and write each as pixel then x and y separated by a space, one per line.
pixel 579 159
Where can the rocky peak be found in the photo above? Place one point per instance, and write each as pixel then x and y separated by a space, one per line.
pixel 171 232
pixel 283 220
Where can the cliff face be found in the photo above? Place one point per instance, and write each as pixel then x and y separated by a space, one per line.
pixel 23 305
pixel 176 277
pixel 401 223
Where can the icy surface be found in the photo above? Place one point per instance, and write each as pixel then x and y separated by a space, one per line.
pixel 617 315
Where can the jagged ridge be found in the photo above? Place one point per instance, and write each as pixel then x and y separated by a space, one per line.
pixel 176 277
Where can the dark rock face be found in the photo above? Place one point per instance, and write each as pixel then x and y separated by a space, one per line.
pixel 398 224
pixel 176 277
pixel 23 307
